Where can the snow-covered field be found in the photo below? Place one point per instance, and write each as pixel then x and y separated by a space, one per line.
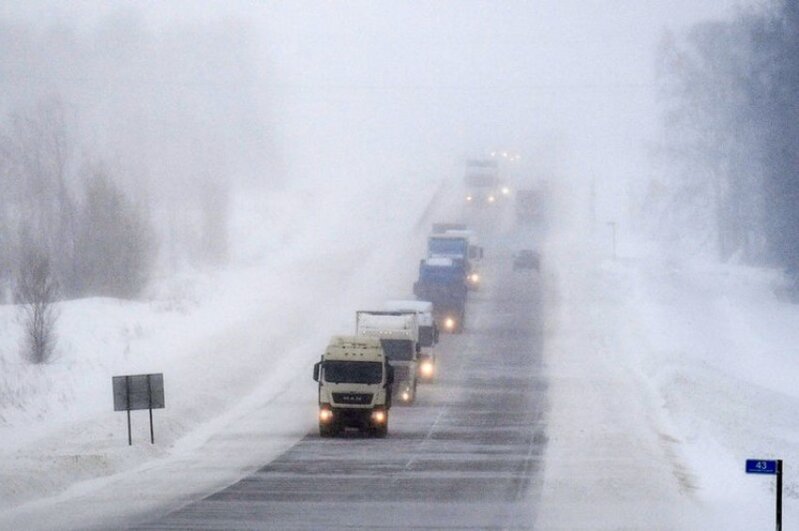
pixel 666 375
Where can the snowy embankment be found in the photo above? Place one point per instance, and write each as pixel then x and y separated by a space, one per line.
pixel 235 347
pixel 666 375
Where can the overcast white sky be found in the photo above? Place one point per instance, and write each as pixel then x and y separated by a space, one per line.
pixel 567 81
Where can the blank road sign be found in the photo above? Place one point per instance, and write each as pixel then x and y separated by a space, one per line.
pixel 139 391
pixel 761 466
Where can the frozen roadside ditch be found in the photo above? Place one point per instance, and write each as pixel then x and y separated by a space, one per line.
pixel 665 376
pixel 236 364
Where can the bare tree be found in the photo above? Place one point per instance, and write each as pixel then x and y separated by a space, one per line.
pixel 37 293
pixel 36 185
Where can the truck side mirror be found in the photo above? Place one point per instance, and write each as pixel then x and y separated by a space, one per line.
pixel 418 348
pixel 316 370
pixel 435 333
pixel 389 374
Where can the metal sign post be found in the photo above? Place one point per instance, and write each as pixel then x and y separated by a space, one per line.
pixel 140 391
pixel 772 467
pixel 150 407
pixel 127 401
pixel 779 494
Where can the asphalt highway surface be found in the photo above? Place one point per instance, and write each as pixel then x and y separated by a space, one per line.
pixel 467 454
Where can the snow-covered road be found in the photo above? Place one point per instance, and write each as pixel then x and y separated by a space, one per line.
pixel 466 454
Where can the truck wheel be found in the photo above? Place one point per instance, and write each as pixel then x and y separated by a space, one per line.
pixel 328 430
pixel 382 430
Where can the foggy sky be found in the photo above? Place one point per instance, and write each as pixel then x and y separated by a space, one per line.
pixel 312 89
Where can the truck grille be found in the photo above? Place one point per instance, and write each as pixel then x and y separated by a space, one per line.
pixel 353 398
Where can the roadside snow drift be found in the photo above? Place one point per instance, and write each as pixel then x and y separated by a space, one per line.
pixel 666 374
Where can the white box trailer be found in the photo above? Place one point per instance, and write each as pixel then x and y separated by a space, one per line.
pixel 398 333
pixel 428 332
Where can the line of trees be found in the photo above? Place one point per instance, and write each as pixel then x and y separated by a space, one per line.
pixel 732 135
pixel 67 230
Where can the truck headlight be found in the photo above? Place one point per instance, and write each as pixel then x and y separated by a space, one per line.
pixel 505 190
pixel 427 369
pixel 379 416
pixel 491 198
pixel 325 415
pixel 468 198
pixel 405 396
pixel 449 323
pixel 474 278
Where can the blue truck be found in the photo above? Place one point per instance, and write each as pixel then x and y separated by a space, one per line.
pixel 442 281
pixel 457 245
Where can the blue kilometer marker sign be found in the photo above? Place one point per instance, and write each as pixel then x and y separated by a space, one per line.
pixel 761 466
pixel 772 467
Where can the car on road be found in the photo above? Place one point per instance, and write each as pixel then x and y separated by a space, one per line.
pixel 526 259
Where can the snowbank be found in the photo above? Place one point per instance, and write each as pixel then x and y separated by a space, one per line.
pixel 666 375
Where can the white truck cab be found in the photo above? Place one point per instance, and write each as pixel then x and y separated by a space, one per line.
pixel 428 333
pixel 398 333
pixel 355 380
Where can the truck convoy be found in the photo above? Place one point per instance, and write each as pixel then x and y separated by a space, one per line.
pixel 394 349
pixel 428 333
pixel 355 380
pixel 398 333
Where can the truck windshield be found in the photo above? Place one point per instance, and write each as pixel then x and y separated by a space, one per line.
pixel 442 274
pixel 398 349
pixel 426 336
pixel 447 246
pixel 361 372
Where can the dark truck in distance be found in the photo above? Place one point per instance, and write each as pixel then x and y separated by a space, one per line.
pixel 442 281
